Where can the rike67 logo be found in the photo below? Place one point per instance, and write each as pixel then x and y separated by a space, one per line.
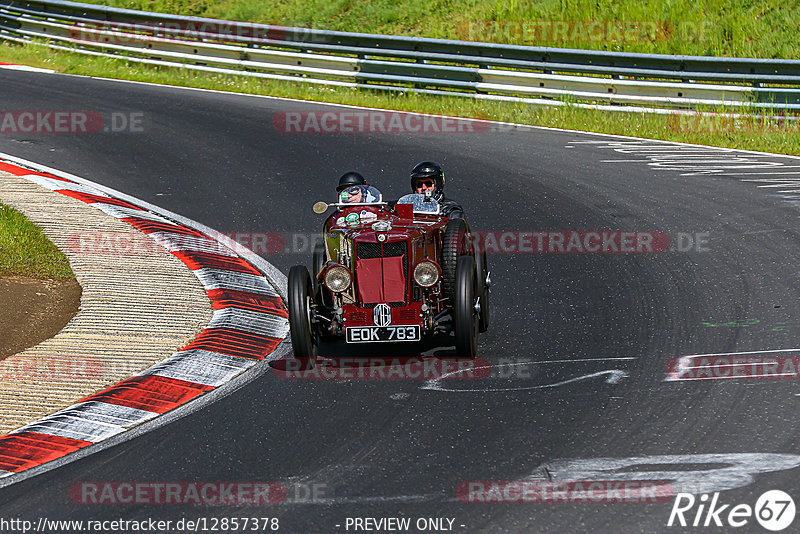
pixel 774 510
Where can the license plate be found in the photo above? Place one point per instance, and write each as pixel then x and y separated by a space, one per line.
pixel 370 334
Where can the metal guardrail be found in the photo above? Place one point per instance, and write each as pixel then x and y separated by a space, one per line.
pixel 397 63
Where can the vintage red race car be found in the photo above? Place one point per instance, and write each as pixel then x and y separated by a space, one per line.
pixel 390 273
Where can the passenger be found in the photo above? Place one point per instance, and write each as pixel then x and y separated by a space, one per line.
pixel 349 179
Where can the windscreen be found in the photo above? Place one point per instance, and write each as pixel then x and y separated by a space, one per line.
pixel 421 205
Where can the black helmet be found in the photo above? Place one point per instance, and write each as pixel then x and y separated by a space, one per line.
pixel 349 179
pixel 429 169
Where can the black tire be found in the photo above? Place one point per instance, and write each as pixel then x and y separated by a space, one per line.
pixel 465 319
pixel 454 244
pixel 317 261
pixel 304 342
pixel 482 268
pixel 322 294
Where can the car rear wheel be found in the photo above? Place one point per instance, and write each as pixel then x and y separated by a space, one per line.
pixel 304 342
pixel 454 244
pixel 466 319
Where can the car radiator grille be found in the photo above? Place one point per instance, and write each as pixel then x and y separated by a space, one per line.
pixel 406 315
pixel 368 251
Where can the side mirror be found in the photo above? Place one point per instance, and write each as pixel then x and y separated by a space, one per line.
pixel 320 207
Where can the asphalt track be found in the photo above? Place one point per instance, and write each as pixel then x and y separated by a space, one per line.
pixel 588 336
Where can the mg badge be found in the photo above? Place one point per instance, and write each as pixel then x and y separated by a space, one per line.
pixel 382 315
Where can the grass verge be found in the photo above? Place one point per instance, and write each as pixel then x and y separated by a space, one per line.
pixel 26 251
pixel 748 133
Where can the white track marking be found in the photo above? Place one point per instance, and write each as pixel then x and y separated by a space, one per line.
pixel 738 472
pixel 614 376
pixel 694 160
pixel 26 68
pixel 760 173
pixel 688 158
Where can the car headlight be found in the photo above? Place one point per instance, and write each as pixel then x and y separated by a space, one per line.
pixel 337 278
pixel 426 273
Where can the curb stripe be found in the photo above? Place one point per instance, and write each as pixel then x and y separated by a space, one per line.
pixel 92 198
pixel 16 170
pixel 151 393
pixel 90 421
pixel 224 280
pixel 250 321
pixel 112 414
pixel 148 227
pixel 68 427
pixel 234 343
pixel 245 300
pixel 29 449
pixel 201 367
pixel 54 184
pixel 119 212
pixel 205 260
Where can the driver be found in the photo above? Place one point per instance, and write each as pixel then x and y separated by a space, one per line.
pixel 427 176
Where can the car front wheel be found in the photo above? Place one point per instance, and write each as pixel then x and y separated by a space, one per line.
pixel 304 342
pixel 466 318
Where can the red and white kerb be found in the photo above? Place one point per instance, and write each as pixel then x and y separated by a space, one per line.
pixel 248 323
